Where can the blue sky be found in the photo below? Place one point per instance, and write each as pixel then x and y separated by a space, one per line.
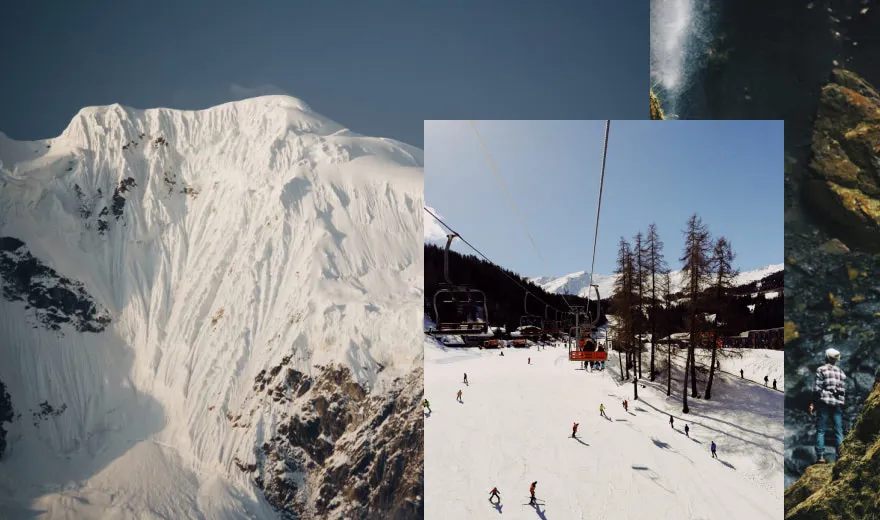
pixel 380 67
pixel 728 172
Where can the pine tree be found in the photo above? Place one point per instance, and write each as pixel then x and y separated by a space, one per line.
pixel 697 272
pixel 656 265
pixel 639 270
pixel 724 276
pixel 623 299
pixel 666 287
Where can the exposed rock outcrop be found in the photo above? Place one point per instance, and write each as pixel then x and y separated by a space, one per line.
pixel 851 488
pixel 343 452
pixel 656 110
pixel 844 185
pixel 55 299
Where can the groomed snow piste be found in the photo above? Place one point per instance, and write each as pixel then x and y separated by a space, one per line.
pixel 514 427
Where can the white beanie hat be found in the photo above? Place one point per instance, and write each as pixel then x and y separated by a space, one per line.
pixel 832 355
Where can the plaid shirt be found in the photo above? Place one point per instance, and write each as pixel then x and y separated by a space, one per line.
pixel 830 385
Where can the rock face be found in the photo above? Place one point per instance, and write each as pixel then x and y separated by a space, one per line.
pixel 844 184
pixel 342 453
pixel 831 297
pixel 851 488
pixel 656 111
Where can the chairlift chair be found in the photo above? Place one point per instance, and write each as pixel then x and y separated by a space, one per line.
pixel 459 309
pixel 585 348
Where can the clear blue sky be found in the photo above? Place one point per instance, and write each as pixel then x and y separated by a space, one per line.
pixel 728 172
pixel 379 67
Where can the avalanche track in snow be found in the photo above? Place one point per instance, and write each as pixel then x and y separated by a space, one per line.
pixel 514 427
pixel 211 313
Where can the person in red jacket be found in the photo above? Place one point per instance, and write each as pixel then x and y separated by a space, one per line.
pixel 574 430
pixel 532 492
pixel 494 494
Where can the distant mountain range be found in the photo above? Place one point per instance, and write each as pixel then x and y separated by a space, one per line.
pixel 577 283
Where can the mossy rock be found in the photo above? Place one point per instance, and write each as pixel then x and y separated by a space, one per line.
pixel 850 488
pixel 656 111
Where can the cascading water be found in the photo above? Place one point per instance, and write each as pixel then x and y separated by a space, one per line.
pixel 680 38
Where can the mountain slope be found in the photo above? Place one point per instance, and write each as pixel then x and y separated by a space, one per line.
pixel 225 299
pixel 576 283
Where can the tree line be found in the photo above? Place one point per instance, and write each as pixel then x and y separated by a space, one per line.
pixel 708 305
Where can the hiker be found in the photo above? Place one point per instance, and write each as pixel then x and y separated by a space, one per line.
pixel 458 397
pixel 494 493
pixel 574 430
pixel 602 410
pixel 830 390
pixel 687 431
pixel 714 455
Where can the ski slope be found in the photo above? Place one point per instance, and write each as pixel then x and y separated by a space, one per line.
pixel 514 427
pixel 236 254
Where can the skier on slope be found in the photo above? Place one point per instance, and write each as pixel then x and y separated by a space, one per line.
pixel 532 492
pixel 530 361
pixel 687 431
pixel 625 406
pixel 465 378
pixel 741 373
pixel 714 455
pixel 427 405
pixel 494 493
pixel 765 380
pixel 602 410
pixel 458 397
pixel 671 422
pixel 574 430
pixel 774 384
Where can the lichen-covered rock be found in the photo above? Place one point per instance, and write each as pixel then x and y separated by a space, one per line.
pixel 844 182
pixel 656 110
pixel 851 488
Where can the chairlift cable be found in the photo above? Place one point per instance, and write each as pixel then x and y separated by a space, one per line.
pixel 599 205
pixel 510 199
pixel 486 258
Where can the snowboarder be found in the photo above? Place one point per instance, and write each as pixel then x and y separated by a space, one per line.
pixel 494 493
pixel 427 405
pixel 532 492
pixel 687 431
pixel 574 430
pixel 602 410
pixel 830 389
pixel 714 455
pixel 465 378
pixel 741 373
pixel 765 380
pixel 458 397
pixel 774 384
pixel 671 422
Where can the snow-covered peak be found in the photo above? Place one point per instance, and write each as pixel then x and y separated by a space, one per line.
pixel 577 283
pixel 203 284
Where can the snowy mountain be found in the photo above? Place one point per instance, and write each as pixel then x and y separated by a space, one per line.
pixel 211 314
pixel 577 283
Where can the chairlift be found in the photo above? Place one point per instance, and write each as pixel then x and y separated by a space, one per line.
pixel 530 325
pixel 585 348
pixel 459 309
